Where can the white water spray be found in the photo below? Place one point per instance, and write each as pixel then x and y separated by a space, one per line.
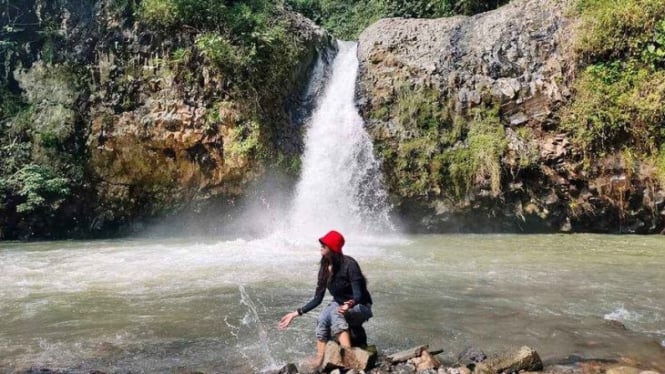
pixel 340 185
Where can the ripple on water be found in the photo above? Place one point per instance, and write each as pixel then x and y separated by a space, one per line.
pixel 622 314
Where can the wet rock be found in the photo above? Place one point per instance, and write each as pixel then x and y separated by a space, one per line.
pixel 332 358
pixel 353 358
pixel 482 368
pixel 286 369
pixel 358 358
pixel 412 353
pixel 404 368
pixel 616 324
pixel 425 362
pixel 523 359
pixel 623 370
pixel 456 370
pixel 471 355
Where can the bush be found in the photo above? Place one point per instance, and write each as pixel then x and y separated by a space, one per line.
pixel 620 94
pixel 480 158
pixel 38 187
pixel 613 29
pixel 347 19
pixel 172 14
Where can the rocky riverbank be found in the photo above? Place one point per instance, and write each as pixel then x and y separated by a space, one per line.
pixel 423 360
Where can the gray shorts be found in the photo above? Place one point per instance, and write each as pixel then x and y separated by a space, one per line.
pixel 331 323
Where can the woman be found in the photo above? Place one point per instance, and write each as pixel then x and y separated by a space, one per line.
pixel 351 305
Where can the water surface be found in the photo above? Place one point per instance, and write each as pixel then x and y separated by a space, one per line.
pixel 155 306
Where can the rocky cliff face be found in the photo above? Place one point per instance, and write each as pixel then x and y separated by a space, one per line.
pixel 155 126
pixel 465 112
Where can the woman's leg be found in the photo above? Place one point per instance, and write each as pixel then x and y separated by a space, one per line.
pixel 353 319
pixel 344 339
pixel 358 315
pixel 323 331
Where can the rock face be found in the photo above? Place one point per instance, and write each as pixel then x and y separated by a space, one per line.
pixel 464 112
pixel 183 138
pixel 157 124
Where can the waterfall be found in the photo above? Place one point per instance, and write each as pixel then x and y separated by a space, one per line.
pixel 340 186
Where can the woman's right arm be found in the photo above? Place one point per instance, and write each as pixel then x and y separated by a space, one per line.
pixel 318 297
pixel 316 300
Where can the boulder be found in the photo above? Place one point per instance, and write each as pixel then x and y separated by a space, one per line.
pixel 412 353
pixel 358 358
pixel 623 370
pixel 471 356
pixel 425 361
pixel 523 359
pixel 286 369
pixel 354 358
pixel 332 358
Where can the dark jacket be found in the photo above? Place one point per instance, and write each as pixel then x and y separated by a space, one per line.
pixel 347 284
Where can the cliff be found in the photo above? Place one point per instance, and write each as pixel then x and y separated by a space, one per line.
pixel 121 113
pixel 467 115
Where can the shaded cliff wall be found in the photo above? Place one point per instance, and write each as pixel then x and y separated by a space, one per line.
pixel 121 120
pixel 466 117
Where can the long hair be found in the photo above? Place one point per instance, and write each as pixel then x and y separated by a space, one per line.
pixel 328 267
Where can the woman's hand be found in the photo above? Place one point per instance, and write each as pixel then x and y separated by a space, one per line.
pixel 343 308
pixel 286 320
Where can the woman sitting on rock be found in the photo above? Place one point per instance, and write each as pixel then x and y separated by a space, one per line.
pixel 351 305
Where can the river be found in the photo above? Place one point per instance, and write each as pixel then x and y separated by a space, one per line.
pixel 146 305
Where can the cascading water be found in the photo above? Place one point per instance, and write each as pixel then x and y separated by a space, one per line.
pixel 340 185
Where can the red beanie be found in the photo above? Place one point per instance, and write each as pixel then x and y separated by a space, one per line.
pixel 333 240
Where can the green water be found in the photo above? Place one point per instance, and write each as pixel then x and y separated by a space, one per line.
pixel 213 305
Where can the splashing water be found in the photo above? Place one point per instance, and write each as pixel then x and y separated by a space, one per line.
pixel 340 185
pixel 621 314
pixel 251 317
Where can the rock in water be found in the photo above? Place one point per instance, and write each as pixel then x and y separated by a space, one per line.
pixel 524 359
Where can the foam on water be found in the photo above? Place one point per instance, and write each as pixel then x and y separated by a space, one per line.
pixel 622 314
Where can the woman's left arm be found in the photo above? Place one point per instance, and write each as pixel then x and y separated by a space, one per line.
pixel 356 279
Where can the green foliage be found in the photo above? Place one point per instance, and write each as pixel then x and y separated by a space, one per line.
pixel 620 95
pixel 440 155
pixel 39 188
pixel 175 13
pixel 480 158
pixel 181 55
pixel 51 92
pixel 53 41
pixel 654 52
pixel 10 104
pixel 660 165
pixel 487 142
pixel 420 109
pixel 244 141
pixel 249 41
pixel 422 115
pixel 613 29
pixel 220 51
pixel 39 148
pixel 346 19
